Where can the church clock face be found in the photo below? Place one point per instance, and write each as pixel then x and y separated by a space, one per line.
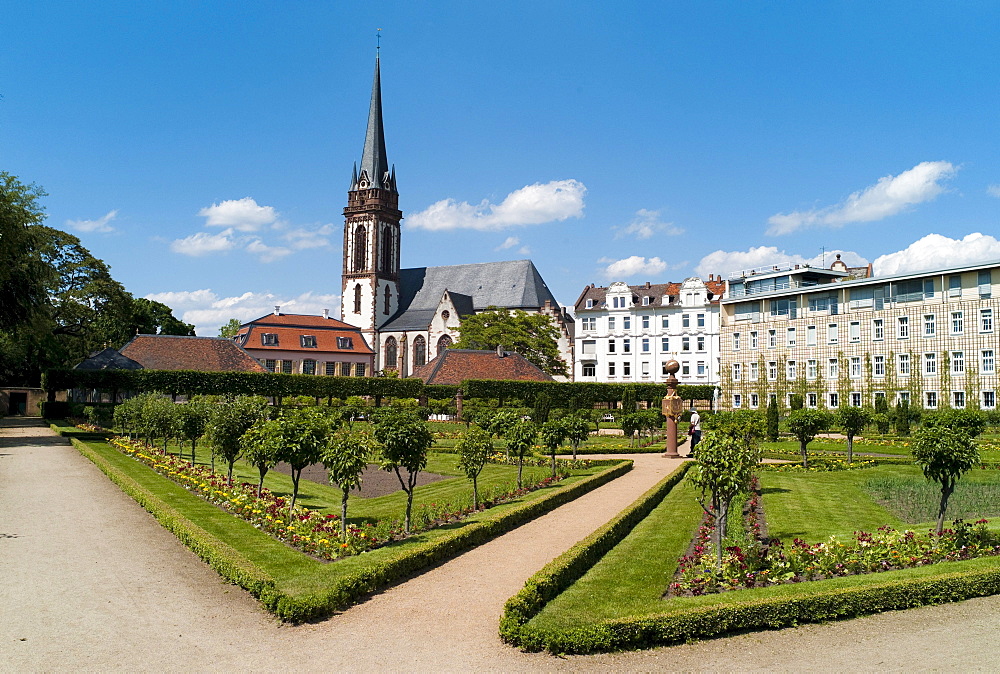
pixel 445 315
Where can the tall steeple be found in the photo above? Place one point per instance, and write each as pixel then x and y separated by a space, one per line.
pixel 375 167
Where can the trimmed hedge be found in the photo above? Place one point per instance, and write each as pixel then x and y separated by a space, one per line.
pixel 562 394
pixel 344 591
pixel 569 567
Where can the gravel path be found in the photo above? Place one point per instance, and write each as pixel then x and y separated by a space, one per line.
pixel 91 582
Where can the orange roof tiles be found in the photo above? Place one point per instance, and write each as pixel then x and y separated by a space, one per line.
pixel 454 366
pixel 290 328
pixel 207 354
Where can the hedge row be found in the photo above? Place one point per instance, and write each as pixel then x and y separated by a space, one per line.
pixel 569 567
pixel 344 591
pixel 564 394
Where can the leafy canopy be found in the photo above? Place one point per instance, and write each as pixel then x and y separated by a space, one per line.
pixel 534 336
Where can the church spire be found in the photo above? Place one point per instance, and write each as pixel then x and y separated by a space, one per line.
pixel 374 164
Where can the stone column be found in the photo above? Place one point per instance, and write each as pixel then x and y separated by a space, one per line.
pixel 672 409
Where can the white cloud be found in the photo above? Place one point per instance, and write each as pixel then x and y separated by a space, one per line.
pixel 203 243
pixel 993 191
pixel 266 253
pixel 208 312
pixel 509 242
pixel 935 251
pixel 241 214
pixel 889 196
pixel 646 223
pixel 726 262
pixel 524 250
pixel 633 266
pixel 530 205
pixel 301 238
pixel 99 225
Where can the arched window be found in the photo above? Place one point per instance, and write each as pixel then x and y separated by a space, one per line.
pixel 357 298
pixel 388 296
pixel 386 250
pixel 443 343
pixel 360 248
pixel 419 351
pixel 390 353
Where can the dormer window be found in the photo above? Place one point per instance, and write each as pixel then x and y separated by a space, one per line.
pixel 269 339
pixel 645 300
pixel 590 304
pixel 307 341
pixel 345 343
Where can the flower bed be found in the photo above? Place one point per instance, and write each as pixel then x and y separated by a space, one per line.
pixel 818 464
pixel 306 530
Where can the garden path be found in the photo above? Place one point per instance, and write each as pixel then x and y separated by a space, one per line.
pixel 90 581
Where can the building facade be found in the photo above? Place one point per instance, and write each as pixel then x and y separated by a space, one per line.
pixel 410 315
pixel 629 333
pixel 840 336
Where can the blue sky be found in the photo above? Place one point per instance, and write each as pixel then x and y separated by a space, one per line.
pixel 204 150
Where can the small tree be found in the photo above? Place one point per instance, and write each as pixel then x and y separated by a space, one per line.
pixel 971 422
pixel 772 420
pixel 228 422
pixel 577 431
pixel 304 437
pixel 405 440
pixel 553 434
pixel 630 423
pixel 805 424
pixel 944 454
pixel 162 419
pixel 261 445
pixel 474 450
pixel 193 417
pixel 795 402
pixel 852 420
pixel 881 416
pixel 901 418
pixel 346 457
pixel 542 409
pixel 520 440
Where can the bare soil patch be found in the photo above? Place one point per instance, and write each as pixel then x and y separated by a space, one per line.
pixel 374 481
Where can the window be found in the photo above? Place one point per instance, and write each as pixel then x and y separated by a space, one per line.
pixel 645 344
pixel 957 323
pixel 611 369
pixel 685 369
pixel 357 298
pixel 772 339
pixel 753 340
pixel 701 368
pixel 685 344
pixel 930 363
pixel 736 341
pixel 989 399
pixel 685 321
pixel 954 286
pixel 811 335
pixel 663 368
pixel 986 320
pixel 589 323
pixel 589 370
pixel 754 371
pixel 611 346
pixel 387 301
pixel 626 323
pixel 958 362
pixel 701 320
pixel 626 346
pixel 811 400
pixel 985 284
pixel 664 322
pixel 270 364
pixel 330 369
pixel 855 399
pixel 307 341
pixel 701 342
pixel 834 400
pixel 958 399
pixel 309 366
pixel 444 341
pixel 772 370
pixel 790 337
pixel 645 320
pixel 345 342
pixel 878 330
pixel 737 367
pixel 832 368
pixel 854 331
pixel 626 369
pixel 617 302
pixel 930 400
pixel 391 354
pixel 930 325
pixel 831 333
pixel 345 369
pixel 737 400
pixel 645 368
pixel 590 304
pixel 791 370
pixel 987 362
pixel 268 339
pixel 903 327
pixel 665 344
pixel 855 367
pixel 359 370
pixel 783 308
pixel 588 347
pixel 812 369
pixel 903 364
pixel 611 324
pixel 286 367
pixel 754 400
pixel 878 366
pixel 419 351
pixel 903 397
pixel 645 300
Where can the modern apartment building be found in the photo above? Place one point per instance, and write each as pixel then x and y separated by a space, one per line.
pixel 628 333
pixel 840 336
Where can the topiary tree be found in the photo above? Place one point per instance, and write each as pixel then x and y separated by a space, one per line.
pixel 229 420
pixel 972 422
pixel 404 441
pixel 346 457
pixel 261 445
pixel 520 440
pixel 577 431
pixel 304 436
pixel 881 417
pixel 553 434
pixel 161 419
pixel 901 417
pixel 474 449
pixel 542 409
pixel 944 455
pixel 852 420
pixel 772 420
pixel 805 424
pixel 193 420
pixel 630 423
pixel 795 402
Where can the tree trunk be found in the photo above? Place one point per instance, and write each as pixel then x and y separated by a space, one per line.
pixel 193 462
pixel 946 489
pixel 553 462
pixel 475 493
pixel 296 474
pixel 231 471
pixel 850 448
pixel 260 485
pixel 575 445
pixel 520 465
pixel 343 514
pixel 722 514
pixel 805 458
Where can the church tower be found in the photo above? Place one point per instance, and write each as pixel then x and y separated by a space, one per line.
pixel 370 280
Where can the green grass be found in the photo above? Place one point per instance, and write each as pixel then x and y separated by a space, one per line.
pixel 915 500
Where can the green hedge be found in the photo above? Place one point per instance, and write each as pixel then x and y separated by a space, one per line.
pixel 569 567
pixel 232 566
pixel 561 394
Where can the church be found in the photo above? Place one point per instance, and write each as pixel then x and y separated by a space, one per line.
pixel 410 316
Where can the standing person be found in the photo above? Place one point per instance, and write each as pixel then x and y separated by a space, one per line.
pixel 694 430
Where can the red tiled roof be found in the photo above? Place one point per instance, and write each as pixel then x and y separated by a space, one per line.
pixel 289 333
pixel 454 366
pixel 208 354
pixel 299 321
pixel 655 291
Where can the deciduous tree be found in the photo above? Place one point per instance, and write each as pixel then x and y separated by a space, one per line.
pixel 474 449
pixel 852 420
pixel 520 439
pixel 534 336
pixel 553 434
pixel 346 457
pixel 944 455
pixel 404 441
pixel 805 425
pixel 577 431
pixel 230 419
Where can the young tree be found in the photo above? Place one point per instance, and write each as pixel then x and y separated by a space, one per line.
pixel 852 420
pixel 553 434
pixel 881 416
pixel 971 422
pixel 261 445
pixel 520 439
pixel 161 418
pixel 795 402
pixel 630 423
pixel 543 407
pixel 772 420
pixel 230 328
pixel 346 457
pixel 577 431
pixel 944 455
pixel 228 422
pixel 805 424
pixel 194 417
pixel 727 457
pixel 901 418
pixel 306 432
pixel 474 450
pixel 404 441
pixel 534 336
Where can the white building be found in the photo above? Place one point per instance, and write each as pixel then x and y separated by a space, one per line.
pixel 628 333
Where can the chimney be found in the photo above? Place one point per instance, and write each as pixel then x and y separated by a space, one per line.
pixel 326 313
pixel 647 284
pixel 277 309
pixel 500 353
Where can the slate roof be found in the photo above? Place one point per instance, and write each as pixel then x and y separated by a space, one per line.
pixel 207 354
pixel 108 359
pixel 454 366
pixel 514 284
pixel 290 327
pixel 655 291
